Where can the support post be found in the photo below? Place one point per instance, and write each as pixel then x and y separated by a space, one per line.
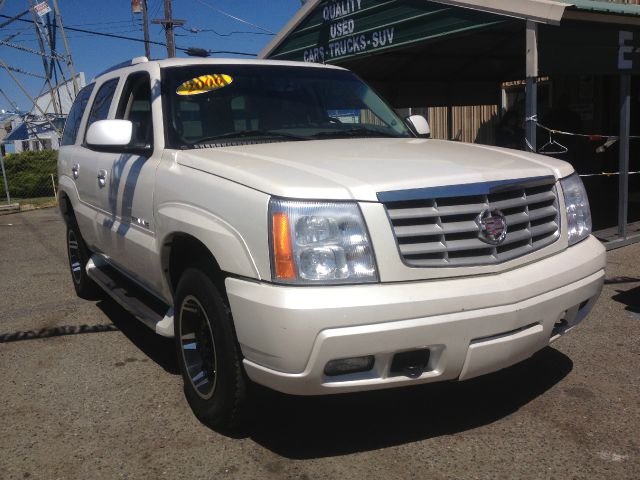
pixel 45 64
pixel 169 22
pixel 623 177
pixel 4 176
pixel 532 85
pixel 69 60
pixel 145 28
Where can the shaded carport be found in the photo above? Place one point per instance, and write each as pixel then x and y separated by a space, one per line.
pixel 459 52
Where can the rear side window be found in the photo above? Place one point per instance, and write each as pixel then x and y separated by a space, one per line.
pixel 102 102
pixel 72 124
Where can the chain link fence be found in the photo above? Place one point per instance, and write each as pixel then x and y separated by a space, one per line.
pixel 29 180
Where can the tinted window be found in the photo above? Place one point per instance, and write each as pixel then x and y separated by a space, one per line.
pixel 72 124
pixel 135 106
pixel 102 102
pixel 211 105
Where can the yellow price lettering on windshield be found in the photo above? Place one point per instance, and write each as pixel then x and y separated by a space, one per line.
pixel 204 83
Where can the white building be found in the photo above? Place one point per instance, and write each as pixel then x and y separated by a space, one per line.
pixel 32 131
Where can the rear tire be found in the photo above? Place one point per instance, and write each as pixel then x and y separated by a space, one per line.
pixel 79 255
pixel 208 353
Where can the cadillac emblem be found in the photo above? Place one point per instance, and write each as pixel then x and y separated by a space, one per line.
pixel 492 226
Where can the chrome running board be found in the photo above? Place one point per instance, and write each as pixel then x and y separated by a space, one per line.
pixel 133 298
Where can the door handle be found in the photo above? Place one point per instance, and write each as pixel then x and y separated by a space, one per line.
pixel 75 170
pixel 102 178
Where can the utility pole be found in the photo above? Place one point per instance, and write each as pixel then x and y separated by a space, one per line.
pixel 145 28
pixel 168 24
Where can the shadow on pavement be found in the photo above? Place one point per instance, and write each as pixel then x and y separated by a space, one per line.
pixel 56 332
pixel 159 349
pixel 324 426
pixel 630 298
pixel 618 280
pixel 313 427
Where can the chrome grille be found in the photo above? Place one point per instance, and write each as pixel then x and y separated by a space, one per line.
pixel 433 229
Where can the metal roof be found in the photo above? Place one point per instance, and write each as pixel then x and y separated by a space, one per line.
pixel 25 132
pixel 543 11
pixel 605 7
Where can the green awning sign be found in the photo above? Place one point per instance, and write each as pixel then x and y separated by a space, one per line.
pixel 339 20
pixel 338 29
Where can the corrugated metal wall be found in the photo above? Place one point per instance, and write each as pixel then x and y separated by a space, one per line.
pixel 472 124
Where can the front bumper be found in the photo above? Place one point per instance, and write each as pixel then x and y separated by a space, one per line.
pixel 472 326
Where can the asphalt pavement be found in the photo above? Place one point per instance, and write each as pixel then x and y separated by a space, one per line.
pixel 87 392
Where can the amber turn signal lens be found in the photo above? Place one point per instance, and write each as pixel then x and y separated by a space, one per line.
pixel 282 251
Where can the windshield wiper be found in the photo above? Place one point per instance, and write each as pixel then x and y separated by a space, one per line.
pixel 251 133
pixel 354 132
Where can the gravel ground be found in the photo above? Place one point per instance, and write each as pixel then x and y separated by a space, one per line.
pixel 90 393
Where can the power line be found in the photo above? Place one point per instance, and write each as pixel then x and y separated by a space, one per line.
pixel 17 33
pixel 211 30
pixel 14 18
pixel 81 24
pixel 93 32
pixel 133 39
pixel 238 19
pixel 96 32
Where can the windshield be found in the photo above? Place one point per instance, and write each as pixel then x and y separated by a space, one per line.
pixel 218 105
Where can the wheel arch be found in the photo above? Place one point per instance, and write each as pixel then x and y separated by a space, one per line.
pixel 182 250
pixel 65 206
pixel 67 198
pixel 189 234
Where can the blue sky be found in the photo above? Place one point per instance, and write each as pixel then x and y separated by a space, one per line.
pixel 92 54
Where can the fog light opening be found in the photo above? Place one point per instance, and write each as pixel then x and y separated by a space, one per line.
pixel 343 366
pixel 411 364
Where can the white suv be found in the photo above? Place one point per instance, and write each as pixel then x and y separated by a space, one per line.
pixel 287 228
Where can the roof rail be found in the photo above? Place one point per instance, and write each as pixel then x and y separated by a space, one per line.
pixel 126 63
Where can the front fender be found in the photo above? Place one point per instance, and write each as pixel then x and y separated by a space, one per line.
pixel 224 242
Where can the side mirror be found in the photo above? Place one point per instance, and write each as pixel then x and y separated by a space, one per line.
pixel 420 125
pixel 109 134
pixel 114 136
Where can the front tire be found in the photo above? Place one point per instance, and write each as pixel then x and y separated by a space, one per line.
pixel 78 257
pixel 208 353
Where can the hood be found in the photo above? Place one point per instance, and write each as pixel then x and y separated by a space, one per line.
pixel 357 169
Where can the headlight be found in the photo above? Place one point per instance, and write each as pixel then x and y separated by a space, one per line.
pixel 577 205
pixel 319 243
